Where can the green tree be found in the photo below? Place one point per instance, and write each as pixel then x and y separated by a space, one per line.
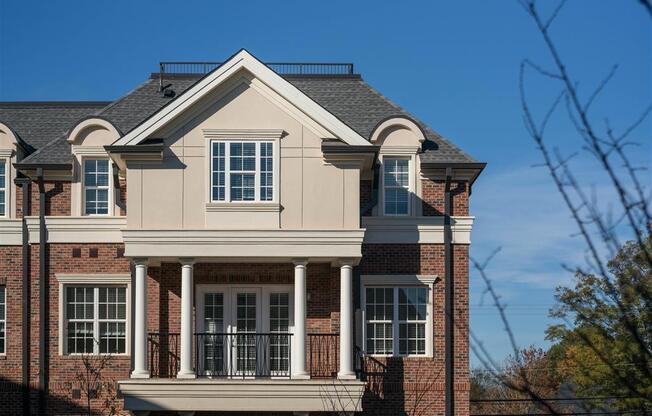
pixel 604 345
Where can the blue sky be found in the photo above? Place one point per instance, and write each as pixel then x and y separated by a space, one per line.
pixel 452 64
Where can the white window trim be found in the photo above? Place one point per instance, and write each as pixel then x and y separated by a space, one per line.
pixel 412 191
pixel 110 189
pixel 4 320
pixel 5 157
pixel 92 280
pixel 394 281
pixel 243 135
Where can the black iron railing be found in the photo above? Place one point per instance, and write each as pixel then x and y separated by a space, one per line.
pixel 163 353
pixel 323 355
pixel 283 68
pixel 243 355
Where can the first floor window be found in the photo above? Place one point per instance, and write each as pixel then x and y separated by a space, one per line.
pixel 3 188
pixel 396 186
pixel 96 319
pixel 395 320
pixel 96 186
pixel 242 171
pixel 3 319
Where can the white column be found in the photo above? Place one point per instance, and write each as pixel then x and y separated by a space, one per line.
pixel 346 322
pixel 299 336
pixel 187 288
pixel 140 321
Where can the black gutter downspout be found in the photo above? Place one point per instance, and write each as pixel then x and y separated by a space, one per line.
pixel 24 183
pixel 449 297
pixel 43 298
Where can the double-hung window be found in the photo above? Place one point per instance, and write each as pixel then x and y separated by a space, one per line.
pixel 95 319
pixel 396 320
pixel 3 319
pixel 396 186
pixel 96 186
pixel 3 188
pixel 242 171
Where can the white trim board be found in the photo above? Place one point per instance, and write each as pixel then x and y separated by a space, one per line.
pixel 243 60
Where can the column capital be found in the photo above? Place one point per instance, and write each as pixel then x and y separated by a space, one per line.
pixel 140 261
pixel 300 262
pixel 347 262
pixel 186 261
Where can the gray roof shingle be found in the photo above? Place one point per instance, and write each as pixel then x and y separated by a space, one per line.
pixel 350 99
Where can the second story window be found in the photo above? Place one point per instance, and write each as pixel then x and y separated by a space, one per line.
pixel 96 186
pixel 242 171
pixel 396 186
pixel 3 188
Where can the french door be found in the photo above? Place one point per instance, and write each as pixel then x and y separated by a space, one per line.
pixel 244 331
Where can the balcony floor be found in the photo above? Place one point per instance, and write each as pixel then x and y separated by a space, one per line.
pixel 253 395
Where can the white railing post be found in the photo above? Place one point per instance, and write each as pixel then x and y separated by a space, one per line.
pixel 187 288
pixel 140 320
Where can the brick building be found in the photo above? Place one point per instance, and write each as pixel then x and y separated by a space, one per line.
pixel 234 237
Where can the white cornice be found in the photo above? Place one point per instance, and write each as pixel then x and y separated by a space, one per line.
pixel 11 232
pixel 410 230
pixel 325 245
pixel 397 279
pixel 85 229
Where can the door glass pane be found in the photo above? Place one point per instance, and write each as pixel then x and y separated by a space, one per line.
pixel 279 322
pixel 246 329
pixel 214 324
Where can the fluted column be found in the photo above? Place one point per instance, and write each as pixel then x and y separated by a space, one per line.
pixel 187 288
pixel 140 320
pixel 346 322
pixel 299 337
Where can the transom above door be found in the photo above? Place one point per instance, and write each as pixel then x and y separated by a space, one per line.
pixel 244 331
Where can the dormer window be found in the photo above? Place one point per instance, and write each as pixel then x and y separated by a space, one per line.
pixel 242 171
pixel 96 186
pixel 396 185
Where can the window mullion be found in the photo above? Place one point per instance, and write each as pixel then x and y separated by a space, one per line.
pixel 395 349
pixel 257 153
pixel 227 171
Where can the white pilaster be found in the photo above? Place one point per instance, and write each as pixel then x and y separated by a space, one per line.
pixel 140 320
pixel 346 322
pixel 187 288
pixel 299 337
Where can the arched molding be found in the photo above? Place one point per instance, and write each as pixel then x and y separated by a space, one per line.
pixel 391 124
pixel 88 125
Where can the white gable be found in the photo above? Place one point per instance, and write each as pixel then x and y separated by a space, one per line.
pixel 243 60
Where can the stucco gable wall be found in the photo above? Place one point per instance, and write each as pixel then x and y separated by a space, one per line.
pixel 174 194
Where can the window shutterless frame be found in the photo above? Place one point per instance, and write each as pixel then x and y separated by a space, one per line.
pixel 95 320
pixel 3 320
pixel 108 187
pixel 3 188
pixel 220 164
pixel 387 160
pixel 396 322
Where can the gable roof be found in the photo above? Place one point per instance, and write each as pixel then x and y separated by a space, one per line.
pixel 239 61
pixel 349 98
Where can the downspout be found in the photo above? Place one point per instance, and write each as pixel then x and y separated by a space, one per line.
pixel 449 297
pixel 24 183
pixel 43 298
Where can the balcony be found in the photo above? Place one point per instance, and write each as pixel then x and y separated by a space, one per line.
pixel 244 355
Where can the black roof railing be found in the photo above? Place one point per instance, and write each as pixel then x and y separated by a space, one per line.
pixel 282 68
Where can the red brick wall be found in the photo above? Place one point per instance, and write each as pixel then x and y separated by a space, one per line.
pixel 58 198
pixel 417 384
pixel 432 195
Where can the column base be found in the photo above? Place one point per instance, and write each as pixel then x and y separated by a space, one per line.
pixel 301 376
pixel 346 376
pixel 139 374
pixel 186 374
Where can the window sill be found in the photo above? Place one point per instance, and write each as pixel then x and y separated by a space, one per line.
pixel 79 356
pixel 252 206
